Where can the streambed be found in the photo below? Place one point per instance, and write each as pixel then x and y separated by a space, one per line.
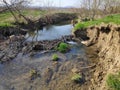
pixel 15 74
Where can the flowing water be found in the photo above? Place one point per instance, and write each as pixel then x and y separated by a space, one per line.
pixel 14 75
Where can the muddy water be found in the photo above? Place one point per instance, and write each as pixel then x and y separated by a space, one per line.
pixel 16 74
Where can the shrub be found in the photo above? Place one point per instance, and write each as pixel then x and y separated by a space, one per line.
pixel 63 47
pixel 113 81
pixel 76 78
pixel 79 26
pixel 55 57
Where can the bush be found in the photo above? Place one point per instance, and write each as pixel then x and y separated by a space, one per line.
pixel 76 78
pixel 113 81
pixel 55 57
pixel 79 26
pixel 63 47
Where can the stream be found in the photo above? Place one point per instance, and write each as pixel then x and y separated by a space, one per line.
pixel 50 32
pixel 15 74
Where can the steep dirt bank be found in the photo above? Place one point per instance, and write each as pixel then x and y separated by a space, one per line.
pixel 57 18
pixel 105 39
pixel 8 31
pixel 48 19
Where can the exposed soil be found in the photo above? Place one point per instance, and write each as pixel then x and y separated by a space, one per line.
pixel 5 32
pixel 105 42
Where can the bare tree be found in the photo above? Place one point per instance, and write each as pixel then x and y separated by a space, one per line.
pixel 48 4
pixel 14 6
pixel 92 8
pixel 10 9
pixel 95 7
pixel 111 6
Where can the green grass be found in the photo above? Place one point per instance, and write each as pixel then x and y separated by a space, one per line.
pixel 3 25
pixel 113 81
pixel 76 78
pixel 63 47
pixel 6 18
pixel 34 13
pixel 79 26
pixel 55 57
pixel 108 19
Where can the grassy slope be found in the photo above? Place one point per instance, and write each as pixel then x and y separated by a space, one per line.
pixel 6 18
pixel 108 19
pixel 4 21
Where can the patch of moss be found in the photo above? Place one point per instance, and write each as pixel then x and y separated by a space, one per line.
pixel 55 57
pixel 63 47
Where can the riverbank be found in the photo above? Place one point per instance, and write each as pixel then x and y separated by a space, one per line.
pixel 46 20
pixel 105 42
pixel 23 28
pixel 49 19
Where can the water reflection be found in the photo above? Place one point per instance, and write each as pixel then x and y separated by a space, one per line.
pixel 50 32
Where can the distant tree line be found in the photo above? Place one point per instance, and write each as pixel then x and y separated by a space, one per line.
pixel 93 8
pixel 87 8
